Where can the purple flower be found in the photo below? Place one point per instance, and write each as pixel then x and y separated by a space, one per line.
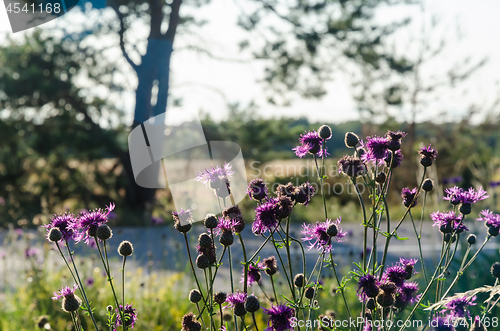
pixel 257 189
pixel 90 221
pixel 236 298
pixel 303 193
pixel 394 139
pixel 396 274
pixel 64 223
pixel 367 287
pixel 406 295
pixel 265 218
pixel 234 214
pixel 253 275
pixel 183 217
pixel 458 195
pixel 457 306
pixel 130 315
pixel 224 225
pixel 494 184
pixel 492 220
pixel 376 148
pixel 32 252
pixel 427 156
pixel 64 292
pixel 279 318
pixel 89 282
pixel 351 166
pixel 397 158
pixel 409 265
pixel 448 222
pixel 320 234
pixel 284 206
pixel 218 179
pixel 310 142
pixel 410 197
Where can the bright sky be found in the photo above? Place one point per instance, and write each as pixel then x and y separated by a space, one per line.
pixel 202 81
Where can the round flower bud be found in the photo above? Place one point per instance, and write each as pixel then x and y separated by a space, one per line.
pixel 220 297
pixel 109 308
pixel 227 317
pixel 239 309
pixel 448 237
pixel 125 248
pixel 205 240
pixel 465 208
pixel 351 139
pixel 104 232
pixel 471 239
pixel 92 231
pixel 226 238
pixel 495 270
pixel 252 304
pixel 332 230
pixel 385 299
pixel 211 221
pixel 202 261
pixel 195 326
pixel 194 296
pixel 428 185
pixel 309 292
pixel 492 231
pixel 426 161
pixel 299 280
pixel 182 228
pixel 71 303
pixel 325 132
pixel 55 235
pixel 381 177
pixel 370 304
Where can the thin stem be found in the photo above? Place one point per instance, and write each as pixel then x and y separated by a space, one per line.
pixel 340 287
pixel 123 285
pixel 201 316
pixel 231 279
pixel 419 247
pixel 245 275
pixel 255 322
pixel 274 290
pixel 192 268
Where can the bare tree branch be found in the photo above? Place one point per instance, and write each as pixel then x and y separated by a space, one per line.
pixel 121 34
pixel 173 21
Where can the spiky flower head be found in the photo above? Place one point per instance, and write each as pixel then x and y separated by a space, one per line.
pixel 280 318
pixel 130 316
pixel 284 206
pixel 271 265
pixel 71 302
pixel 253 274
pixel 394 159
pixel 257 189
pixel 318 237
pixel 427 156
pixel 215 177
pixel 376 148
pixel 310 142
pixel 367 287
pixel 394 139
pixel 303 193
pixel 86 224
pixel 458 307
pixel 351 166
pixel 220 297
pixel 287 190
pixel 448 222
pixel 64 222
pixel 410 197
pixel 189 323
pixel 234 214
pixel 492 221
pixel 265 218
pixel 406 295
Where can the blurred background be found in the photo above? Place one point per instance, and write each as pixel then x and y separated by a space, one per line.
pixel 259 73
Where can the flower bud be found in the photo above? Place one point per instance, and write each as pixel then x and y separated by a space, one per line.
pixel 332 230
pixel 226 238
pixel 471 239
pixel 125 248
pixel 55 235
pixel 299 280
pixel 204 240
pixel 465 208
pixel 428 185
pixel 239 309
pixel 202 261
pixel 194 296
pixel 104 232
pixel 211 221
pixel 71 303
pixel 220 297
pixel 495 270
pixel 381 177
pixel 252 304
pixel 325 132
pixel 351 139
pixel 309 292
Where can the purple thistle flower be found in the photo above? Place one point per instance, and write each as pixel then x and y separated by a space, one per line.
pixel 394 139
pixel 265 218
pixel 224 225
pixel 254 275
pixel 215 174
pixel 318 236
pixel 64 222
pixel 64 292
pixel 310 142
pixel 428 152
pixel 492 220
pixel 257 189
pixel 367 287
pixel 376 148
pixel 397 158
pixel 457 306
pixel 409 265
pixel 406 294
pixel 351 166
pixel 410 197
pixel 396 274
pixel 448 222
pixel 130 315
pixel 456 195
pixel 183 216
pixel 236 298
pixel 303 193
pixel 284 206
pixel 90 221
pixel 279 318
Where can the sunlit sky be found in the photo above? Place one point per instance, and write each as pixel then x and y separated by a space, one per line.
pixel 205 84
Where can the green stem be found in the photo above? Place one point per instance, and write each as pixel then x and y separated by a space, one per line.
pixel 340 287
pixel 232 282
pixel 123 284
pixel 419 247
pixel 245 275
pixel 255 322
